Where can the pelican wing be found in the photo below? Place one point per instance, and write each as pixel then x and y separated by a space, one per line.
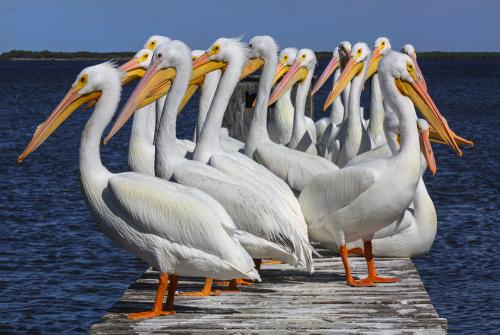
pixel 182 215
pixel 296 168
pixel 251 211
pixel 330 192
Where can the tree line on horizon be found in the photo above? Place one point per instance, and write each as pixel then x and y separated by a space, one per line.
pixel 79 55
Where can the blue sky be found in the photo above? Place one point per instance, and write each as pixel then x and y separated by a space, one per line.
pixel 104 25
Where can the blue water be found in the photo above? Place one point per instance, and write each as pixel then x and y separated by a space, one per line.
pixel 59 274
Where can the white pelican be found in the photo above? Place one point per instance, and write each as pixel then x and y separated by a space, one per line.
pixel 141 148
pixel 413 233
pixel 281 124
pixel 337 111
pixel 329 141
pixel 267 229
pixel 281 121
pixel 376 125
pixel 354 138
pixel 179 230
pixel 296 168
pixel 303 136
pixel 355 202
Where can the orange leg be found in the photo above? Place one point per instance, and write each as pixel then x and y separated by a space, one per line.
pixel 157 307
pixel 348 274
pixel 174 279
pixel 205 291
pixel 272 262
pixel 372 271
pixel 356 251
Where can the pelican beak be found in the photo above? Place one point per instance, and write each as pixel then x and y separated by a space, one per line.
pixel 192 88
pixel 419 72
pixel 153 79
pixel 281 70
pixel 425 146
pixel 133 70
pixel 375 58
pixel 156 93
pixel 424 103
pixel 332 66
pixel 296 73
pixel 71 102
pixel 203 65
pixel 463 142
pixel 351 70
pixel 251 66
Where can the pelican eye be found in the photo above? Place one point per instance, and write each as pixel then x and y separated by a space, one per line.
pixel 250 45
pixel 82 82
pixel 358 53
pixel 411 70
pixel 382 45
pixel 215 48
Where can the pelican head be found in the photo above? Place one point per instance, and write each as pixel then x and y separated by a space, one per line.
pixel 332 66
pixel 286 59
pixel 167 58
pixel 425 145
pixel 137 66
pixel 88 86
pixel 302 68
pixel 355 67
pixel 260 48
pixel 409 50
pixel 399 69
pixel 221 52
pixel 382 47
pixel 154 41
pixel 345 48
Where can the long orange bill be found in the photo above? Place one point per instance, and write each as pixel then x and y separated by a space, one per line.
pixel 351 70
pixel 152 79
pixel 251 66
pixel 424 103
pixel 71 102
pixel 463 142
pixel 295 74
pixel 281 70
pixel 375 58
pixel 332 66
pixel 425 146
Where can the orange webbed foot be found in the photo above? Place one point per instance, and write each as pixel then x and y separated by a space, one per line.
pixel 365 282
pixel 272 262
pixel 148 314
pixel 378 279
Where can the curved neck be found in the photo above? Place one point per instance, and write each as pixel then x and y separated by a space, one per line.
pixel 159 104
pixel 354 116
pixel 90 158
pixel 376 110
pixel 258 127
pixel 207 95
pixel 345 100
pixel 409 149
pixel 166 141
pixel 142 127
pixel 209 137
pixel 337 110
pixel 299 124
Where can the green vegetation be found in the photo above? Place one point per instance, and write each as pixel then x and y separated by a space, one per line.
pixel 56 55
pixel 79 55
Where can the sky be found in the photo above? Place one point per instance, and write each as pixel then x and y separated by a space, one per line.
pixel 105 25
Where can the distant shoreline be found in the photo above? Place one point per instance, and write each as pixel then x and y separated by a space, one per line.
pixel 22 55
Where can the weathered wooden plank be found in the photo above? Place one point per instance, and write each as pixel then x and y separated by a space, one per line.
pixel 288 301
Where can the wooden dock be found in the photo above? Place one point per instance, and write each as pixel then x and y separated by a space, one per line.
pixel 288 301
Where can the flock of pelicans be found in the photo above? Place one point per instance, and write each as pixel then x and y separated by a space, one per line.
pixel 215 207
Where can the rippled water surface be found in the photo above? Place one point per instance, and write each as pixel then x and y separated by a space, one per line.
pixel 58 273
